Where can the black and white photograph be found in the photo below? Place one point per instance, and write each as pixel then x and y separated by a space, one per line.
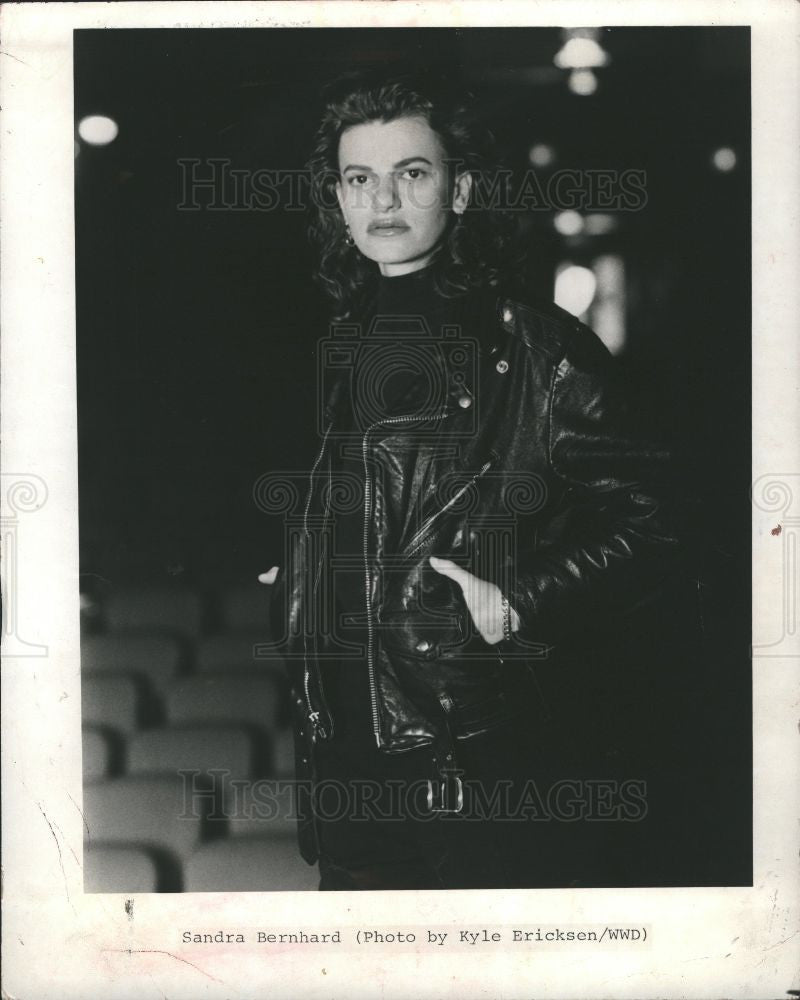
pixel 400 499
pixel 413 399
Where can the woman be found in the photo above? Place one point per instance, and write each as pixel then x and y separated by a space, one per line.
pixel 477 497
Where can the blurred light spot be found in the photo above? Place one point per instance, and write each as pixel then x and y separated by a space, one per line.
pixel 608 309
pixel 599 224
pixel 582 82
pixel 568 223
pixel 580 53
pixel 542 155
pixel 91 611
pixel 575 288
pixel 98 130
pixel 724 159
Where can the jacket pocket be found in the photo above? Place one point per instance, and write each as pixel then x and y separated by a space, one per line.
pixel 475 717
pixel 452 495
pixel 439 657
pixel 421 635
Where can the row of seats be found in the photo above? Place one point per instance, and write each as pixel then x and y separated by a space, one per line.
pixel 165 832
pixel 170 750
pixel 173 814
pixel 123 704
pixel 179 610
pixel 169 815
pixel 160 833
pixel 178 725
pixel 248 865
pixel 162 657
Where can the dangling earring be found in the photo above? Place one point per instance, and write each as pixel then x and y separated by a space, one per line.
pixel 349 236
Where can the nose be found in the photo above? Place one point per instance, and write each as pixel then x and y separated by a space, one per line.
pixel 385 196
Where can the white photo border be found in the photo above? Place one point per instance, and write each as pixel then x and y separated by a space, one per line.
pixel 62 943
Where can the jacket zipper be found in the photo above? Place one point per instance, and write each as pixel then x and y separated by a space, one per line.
pixel 367 511
pixel 425 531
pixel 313 714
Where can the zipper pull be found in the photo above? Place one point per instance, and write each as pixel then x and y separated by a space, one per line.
pixel 318 730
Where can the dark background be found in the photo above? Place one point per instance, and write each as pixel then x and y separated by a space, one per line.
pixel 197 329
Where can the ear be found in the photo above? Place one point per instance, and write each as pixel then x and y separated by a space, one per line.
pixel 461 192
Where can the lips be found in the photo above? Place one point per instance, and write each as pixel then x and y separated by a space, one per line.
pixel 387 228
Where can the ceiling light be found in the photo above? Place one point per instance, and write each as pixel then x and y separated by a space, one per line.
pixel 98 130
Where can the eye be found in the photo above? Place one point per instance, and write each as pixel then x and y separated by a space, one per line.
pixel 357 180
pixel 414 173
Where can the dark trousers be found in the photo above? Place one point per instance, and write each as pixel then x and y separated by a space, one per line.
pixel 377 831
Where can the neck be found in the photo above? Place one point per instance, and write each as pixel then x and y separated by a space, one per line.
pixel 418 272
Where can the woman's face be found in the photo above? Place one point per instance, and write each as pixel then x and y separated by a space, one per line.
pixel 394 192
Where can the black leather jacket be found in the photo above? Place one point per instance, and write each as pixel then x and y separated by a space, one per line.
pixel 528 470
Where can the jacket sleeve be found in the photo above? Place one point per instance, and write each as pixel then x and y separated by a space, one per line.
pixel 614 537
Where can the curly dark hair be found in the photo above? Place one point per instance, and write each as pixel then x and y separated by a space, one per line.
pixel 474 248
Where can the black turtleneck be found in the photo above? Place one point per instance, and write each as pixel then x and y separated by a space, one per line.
pixel 390 363
pixel 413 294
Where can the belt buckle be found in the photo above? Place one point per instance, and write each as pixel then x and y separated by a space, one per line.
pixel 442 805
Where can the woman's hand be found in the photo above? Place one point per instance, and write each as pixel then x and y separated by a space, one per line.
pixel 269 577
pixel 484 600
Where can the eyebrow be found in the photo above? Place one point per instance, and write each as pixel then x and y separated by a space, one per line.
pixel 400 163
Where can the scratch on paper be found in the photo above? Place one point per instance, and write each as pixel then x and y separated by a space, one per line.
pixel 782 941
pixel 15 58
pixel 86 825
pixel 71 848
pixel 58 848
pixel 161 951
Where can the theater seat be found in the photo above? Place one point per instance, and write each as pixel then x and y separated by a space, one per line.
pixel 171 610
pixel 153 657
pixel 217 698
pixel 97 754
pixel 153 812
pixel 265 808
pixel 238 651
pixel 109 868
pixel 110 701
pixel 205 748
pixel 250 865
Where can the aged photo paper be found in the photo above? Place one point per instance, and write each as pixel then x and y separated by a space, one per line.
pixel 131 437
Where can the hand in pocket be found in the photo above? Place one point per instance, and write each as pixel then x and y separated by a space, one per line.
pixel 484 600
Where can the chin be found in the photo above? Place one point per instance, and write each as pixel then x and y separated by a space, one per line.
pixel 393 254
pixel 400 258
pixel 385 258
